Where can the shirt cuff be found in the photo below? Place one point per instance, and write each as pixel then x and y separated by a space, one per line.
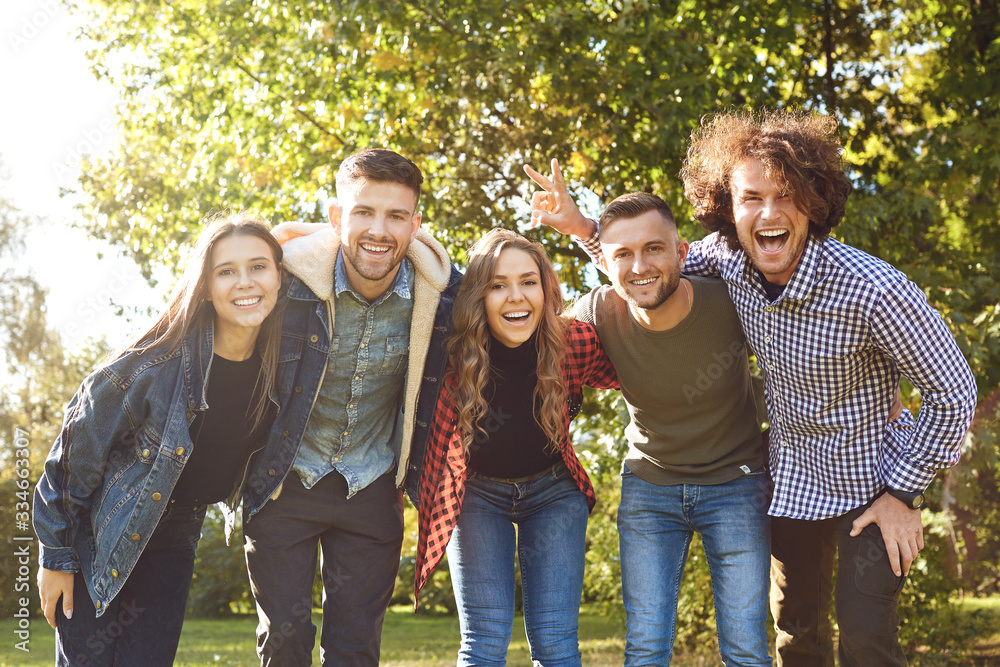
pixel 58 559
pixel 910 477
pixel 591 244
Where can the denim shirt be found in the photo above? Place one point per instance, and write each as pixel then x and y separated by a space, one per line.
pixel 352 428
pixel 110 474
pixel 305 352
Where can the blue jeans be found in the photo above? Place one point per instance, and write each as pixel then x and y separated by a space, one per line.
pixel 142 625
pixel 551 517
pixel 655 525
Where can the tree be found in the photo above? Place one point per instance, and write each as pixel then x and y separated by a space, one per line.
pixel 254 104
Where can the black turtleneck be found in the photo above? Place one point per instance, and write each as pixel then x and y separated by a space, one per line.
pixel 514 445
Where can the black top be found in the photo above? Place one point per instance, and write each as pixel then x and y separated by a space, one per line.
pixel 222 435
pixel 514 445
pixel 773 290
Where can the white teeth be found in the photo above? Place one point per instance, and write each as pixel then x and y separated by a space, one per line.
pixel 247 302
pixel 772 232
pixel 375 248
pixel 516 313
pixel 644 281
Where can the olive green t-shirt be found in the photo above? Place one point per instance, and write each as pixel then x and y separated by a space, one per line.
pixel 693 416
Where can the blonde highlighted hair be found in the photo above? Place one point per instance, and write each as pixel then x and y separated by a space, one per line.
pixel 469 345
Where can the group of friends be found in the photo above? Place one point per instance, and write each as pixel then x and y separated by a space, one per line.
pixel 316 372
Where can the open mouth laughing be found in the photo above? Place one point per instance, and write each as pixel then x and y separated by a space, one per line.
pixel 771 240
pixel 517 316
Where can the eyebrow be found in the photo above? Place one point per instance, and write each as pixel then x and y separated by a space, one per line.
pixel 366 207
pixel 500 276
pixel 253 259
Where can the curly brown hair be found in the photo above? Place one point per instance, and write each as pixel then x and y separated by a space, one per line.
pixel 799 150
pixel 469 345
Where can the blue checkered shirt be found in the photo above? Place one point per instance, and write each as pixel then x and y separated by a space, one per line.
pixel 832 348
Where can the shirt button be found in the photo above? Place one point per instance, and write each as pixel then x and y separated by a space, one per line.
pixel 135 537
pixel 179 451
pixel 768 309
pixel 767 340
pixel 114 573
pixel 313 338
pixel 145 453
pixel 298 390
pixel 157 496
pixel 270 471
pixel 770 367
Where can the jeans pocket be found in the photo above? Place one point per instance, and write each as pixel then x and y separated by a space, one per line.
pixel 872 573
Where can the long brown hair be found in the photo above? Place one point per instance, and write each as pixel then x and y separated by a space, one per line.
pixel 469 345
pixel 187 307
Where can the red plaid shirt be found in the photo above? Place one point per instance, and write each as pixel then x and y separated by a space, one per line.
pixel 442 480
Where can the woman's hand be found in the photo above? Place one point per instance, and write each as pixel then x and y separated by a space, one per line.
pixel 53 585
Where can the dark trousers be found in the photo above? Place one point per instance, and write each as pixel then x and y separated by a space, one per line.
pixel 142 624
pixel 360 539
pixel 867 595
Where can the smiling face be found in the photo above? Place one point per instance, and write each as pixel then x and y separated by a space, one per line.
pixel 515 297
pixel 772 231
pixel 243 283
pixel 643 256
pixel 376 222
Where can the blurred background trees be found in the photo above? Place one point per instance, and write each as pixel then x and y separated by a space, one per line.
pixel 254 103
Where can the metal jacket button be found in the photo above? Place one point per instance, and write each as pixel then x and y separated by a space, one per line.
pixel 179 451
pixel 135 537
pixel 157 496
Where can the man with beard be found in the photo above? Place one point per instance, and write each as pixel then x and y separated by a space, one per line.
pixel 356 393
pixel 833 329
pixel 695 461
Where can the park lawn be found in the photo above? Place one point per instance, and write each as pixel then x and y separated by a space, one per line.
pixel 421 641
pixel 407 641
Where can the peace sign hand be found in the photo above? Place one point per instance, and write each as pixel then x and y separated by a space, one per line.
pixel 555 207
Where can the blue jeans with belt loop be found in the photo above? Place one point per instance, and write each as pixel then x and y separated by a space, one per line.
pixel 550 513
pixel 655 526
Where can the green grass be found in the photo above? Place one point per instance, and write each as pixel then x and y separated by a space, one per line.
pixel 415 641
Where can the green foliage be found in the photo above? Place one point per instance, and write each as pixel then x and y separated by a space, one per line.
pixel 220 586
pixel 254 104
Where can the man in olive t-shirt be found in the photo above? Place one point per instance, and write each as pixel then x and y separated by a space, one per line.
pixel 695 459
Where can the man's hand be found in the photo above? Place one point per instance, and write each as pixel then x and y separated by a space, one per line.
pixel 53 585
pixel 555 207
pixel 897 406
pixel 902 530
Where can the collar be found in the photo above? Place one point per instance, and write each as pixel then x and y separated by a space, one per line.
pixel 401 285
pixel 196 353
pixel 805 276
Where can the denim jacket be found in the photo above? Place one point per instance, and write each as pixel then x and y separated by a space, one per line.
pixel 113 467
pixel 310 253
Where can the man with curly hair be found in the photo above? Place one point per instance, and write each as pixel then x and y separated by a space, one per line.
pixel 833 329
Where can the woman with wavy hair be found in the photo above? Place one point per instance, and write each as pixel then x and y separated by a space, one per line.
pixel 499 456
pixel 163 429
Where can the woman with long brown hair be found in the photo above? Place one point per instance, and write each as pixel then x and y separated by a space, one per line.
pixel 499 456
pixel 152 437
